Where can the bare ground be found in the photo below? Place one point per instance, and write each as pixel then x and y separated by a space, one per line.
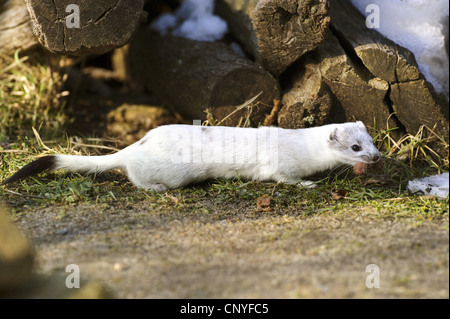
pixel 214 249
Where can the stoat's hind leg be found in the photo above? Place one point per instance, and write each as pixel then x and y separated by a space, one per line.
pixel 157 187
pixel 152 187
pixel 141 182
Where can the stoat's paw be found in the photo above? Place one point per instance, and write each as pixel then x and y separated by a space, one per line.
pixel 157 188
pixel 307 184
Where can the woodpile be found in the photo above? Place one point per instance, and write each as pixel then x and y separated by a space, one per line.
pixel 392 69
pixel 317 57
pixel 198 79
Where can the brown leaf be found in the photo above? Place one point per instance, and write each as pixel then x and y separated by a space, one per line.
pixel 263 204
pixel 379 180
pixel 339 194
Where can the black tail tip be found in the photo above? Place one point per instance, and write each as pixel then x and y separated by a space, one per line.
pixel 33 168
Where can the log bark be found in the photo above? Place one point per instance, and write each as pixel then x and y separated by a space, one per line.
pixel 276 33
pixel 15 27
pixel 195 77
pixel 308 101
pixel 103 24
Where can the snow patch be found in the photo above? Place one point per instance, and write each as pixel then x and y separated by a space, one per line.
pixel 194 20
pixel 436 185
pixel 421 26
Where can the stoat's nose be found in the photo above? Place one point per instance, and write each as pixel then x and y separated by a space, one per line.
pixel 376 158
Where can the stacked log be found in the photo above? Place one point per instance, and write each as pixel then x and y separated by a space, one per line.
pixel 307 100
pixel 87 27
pixel 276 33
pixel 197 78
pixel 101 25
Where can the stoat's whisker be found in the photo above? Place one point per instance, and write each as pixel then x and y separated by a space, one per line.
pixel 342 169
pixel 335 168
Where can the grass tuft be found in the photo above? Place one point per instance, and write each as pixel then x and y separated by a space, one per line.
pixel 30 95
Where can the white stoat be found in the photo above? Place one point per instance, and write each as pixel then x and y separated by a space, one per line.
pixel 173 156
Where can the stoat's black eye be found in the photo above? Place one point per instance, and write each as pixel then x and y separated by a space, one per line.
pixel 356 148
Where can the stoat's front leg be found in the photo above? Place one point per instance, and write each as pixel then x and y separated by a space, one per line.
pixel 298 182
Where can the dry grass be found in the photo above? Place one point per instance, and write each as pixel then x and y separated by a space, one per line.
pixel 30 95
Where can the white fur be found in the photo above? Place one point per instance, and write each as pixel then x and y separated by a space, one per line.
pixel 174 156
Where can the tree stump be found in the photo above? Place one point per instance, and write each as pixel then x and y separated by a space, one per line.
pixel 102 25
pixel 276 33
pixel 196 77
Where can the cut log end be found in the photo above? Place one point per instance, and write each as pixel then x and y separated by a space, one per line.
pixel 286 30
pixel 84 28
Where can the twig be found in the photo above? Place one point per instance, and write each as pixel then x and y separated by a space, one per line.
pixel 38 138
pixel 247 104
pixel 271 118
pixel 96 146
pixel 24 195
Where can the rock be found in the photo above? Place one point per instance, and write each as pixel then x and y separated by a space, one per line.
pixel 16 255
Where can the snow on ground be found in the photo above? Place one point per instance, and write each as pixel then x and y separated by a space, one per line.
pixel 420 26
pixel 436 185
pixel 194 19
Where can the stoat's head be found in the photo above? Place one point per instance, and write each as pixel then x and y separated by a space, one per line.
pixel 351 144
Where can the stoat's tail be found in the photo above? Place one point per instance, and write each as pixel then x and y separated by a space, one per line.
pixel 86 164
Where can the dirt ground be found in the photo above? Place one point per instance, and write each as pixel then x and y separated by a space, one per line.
pixel 231 250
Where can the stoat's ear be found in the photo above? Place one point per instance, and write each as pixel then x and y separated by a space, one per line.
pixel 360 124
pixel 333 135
